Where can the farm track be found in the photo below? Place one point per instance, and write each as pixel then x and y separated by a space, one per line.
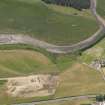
pixel 26 39
pixel 57 100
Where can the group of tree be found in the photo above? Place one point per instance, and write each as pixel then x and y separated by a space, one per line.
pixel 100 98
pixel 78 4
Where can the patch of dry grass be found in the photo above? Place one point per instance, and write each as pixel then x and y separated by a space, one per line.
pixel 23 62
pixel 80 80
pixel 72 102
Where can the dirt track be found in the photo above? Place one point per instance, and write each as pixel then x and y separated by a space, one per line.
pixel 26 39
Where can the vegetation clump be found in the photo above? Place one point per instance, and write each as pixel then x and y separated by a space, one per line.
pixel 78 4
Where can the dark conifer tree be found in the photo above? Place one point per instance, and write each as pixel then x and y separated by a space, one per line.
pixel 78 4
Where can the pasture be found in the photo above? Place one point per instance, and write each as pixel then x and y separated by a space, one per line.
pixel 37 19
pixel 80 80
pixel 101 7
pixel 24 62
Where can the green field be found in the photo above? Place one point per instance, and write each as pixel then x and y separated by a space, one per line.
pixel 54 24
pixel 73 102
pixel 101 7
pixel 24 62
pixel 70 11
pixel 37 19
pixel 95 52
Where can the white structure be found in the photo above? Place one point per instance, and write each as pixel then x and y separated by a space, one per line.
pixel 99 103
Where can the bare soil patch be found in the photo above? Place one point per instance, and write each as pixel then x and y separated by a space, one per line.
pixel 32 86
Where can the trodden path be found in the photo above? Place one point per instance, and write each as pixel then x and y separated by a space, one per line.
pixel 26 39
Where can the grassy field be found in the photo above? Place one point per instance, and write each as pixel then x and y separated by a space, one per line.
pixel 101 7
pixel 70 11
pixel 21 62
pixel 95 52
pixel 50 23
pixel 80 80
pixel 62 61
pixel 10 100
pixel 73 102
pixel 35 18
pixel 24 62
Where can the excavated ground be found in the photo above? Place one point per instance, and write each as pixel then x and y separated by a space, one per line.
pixel 32 86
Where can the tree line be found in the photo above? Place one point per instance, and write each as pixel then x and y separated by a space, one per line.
pixel 78 4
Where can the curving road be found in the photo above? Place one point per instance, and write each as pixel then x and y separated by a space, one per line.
pixel 26 39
